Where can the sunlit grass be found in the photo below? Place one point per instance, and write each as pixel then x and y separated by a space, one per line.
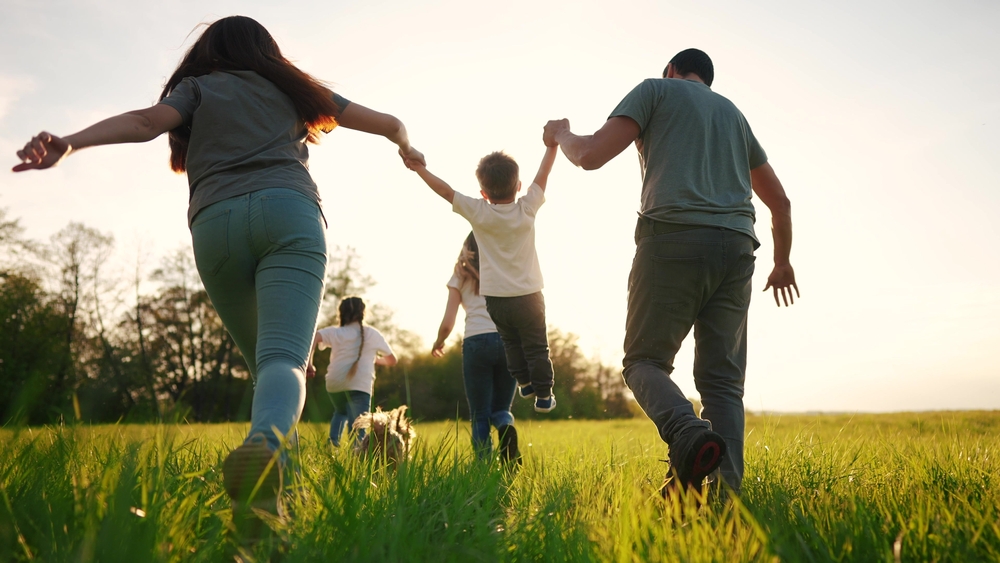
pixel 906 487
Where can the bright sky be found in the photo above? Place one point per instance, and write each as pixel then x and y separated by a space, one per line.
pixel 881 118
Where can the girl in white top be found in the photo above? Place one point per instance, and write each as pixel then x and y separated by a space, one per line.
pixel 355 351
pixel 489 386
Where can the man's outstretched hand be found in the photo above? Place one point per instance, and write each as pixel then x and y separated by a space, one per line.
pixel 553 128
pixel 44 150
pixel 783 278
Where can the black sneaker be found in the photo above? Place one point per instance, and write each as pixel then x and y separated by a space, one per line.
pixel 508 445
pixel 526 391
pixel 690 466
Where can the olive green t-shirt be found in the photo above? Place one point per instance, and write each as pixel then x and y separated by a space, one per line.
pixel 245 136
pixel 696 151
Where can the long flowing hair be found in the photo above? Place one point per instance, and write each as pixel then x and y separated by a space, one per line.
pixel 352 310
pixel 467 266
pixel 240 43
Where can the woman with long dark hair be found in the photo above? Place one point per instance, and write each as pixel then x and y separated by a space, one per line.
pixel 489 386
pixel 239 117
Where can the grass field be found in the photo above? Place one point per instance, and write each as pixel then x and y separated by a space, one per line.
pixel 899 487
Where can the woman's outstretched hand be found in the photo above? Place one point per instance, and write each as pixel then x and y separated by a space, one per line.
pixel 44 150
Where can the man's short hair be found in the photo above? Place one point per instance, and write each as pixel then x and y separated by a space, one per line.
pixel 693 61
pixel 498 175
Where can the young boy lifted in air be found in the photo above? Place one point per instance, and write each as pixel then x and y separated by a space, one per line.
pixel 509 275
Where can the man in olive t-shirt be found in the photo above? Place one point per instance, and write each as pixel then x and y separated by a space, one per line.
pixel 694 255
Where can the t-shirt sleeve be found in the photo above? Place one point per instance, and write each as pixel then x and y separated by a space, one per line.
pixel 455 282
pixel 380 344
pixel 466 206
pixel 533 199
pixel 185 98
pixel 638 105
pixel 341 101
pixel 326 337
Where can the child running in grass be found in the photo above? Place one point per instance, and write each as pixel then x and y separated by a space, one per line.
pixel 510 276
pixel 355 351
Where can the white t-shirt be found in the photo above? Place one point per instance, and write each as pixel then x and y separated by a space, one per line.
pixel 344 342
pixel 508 263
pixel 477 318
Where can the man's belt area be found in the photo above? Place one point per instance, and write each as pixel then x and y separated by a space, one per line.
pixel 648 227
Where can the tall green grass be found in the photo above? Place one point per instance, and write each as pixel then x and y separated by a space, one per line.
pixel 903 487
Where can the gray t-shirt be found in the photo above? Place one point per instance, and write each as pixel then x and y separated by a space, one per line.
pixel 245 136
pixel 696 151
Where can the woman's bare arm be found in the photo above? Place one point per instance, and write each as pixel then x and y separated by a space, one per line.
pixel 46 150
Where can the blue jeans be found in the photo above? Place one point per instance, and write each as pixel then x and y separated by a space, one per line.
pixel 521 324
pixel 347 407
pixel 262 259
pixel 489 388
pixel 700 278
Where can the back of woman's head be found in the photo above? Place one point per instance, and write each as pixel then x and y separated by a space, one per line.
pixel 352 310
pixel 240 43
pixel 467 266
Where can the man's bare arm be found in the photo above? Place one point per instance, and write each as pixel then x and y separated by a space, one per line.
pixel 769 189
pixel 591 152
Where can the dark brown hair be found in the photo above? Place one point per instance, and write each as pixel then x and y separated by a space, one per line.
pixel 352 310
pixel 498 174
pixel 240 43
pixel 467 265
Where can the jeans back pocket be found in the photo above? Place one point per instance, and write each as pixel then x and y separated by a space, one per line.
pixel 292 220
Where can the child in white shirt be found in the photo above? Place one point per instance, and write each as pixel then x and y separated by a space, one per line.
pixel 355 351
pixel 510 276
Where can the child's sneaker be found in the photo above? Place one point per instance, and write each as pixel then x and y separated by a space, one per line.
pixel 251 475
pixel 508 445
pixel 526 391
pixel 545 404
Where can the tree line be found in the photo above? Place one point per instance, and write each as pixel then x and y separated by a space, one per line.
pixel 80 341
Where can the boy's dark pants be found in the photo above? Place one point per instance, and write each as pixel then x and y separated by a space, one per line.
pixel 521 324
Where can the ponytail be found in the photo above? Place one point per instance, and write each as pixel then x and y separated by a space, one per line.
pixel 352 309
pixel 467 266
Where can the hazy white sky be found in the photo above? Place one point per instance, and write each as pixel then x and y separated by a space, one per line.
pixel 881 118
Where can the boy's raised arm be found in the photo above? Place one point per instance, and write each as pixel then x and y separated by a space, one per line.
pixel 546 166
pixel 439 186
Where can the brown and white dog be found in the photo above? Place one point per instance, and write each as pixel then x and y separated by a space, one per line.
pixel 389 435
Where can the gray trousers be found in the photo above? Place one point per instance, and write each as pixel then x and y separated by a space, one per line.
pixel 701 278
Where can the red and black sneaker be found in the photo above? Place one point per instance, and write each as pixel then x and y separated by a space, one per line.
pixel 688 468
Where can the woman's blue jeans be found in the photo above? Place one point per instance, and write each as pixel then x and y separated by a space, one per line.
pixel 489 387
pixel 262 259
pixel 347 407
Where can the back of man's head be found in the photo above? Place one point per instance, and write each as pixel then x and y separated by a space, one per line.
pixel 693 61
